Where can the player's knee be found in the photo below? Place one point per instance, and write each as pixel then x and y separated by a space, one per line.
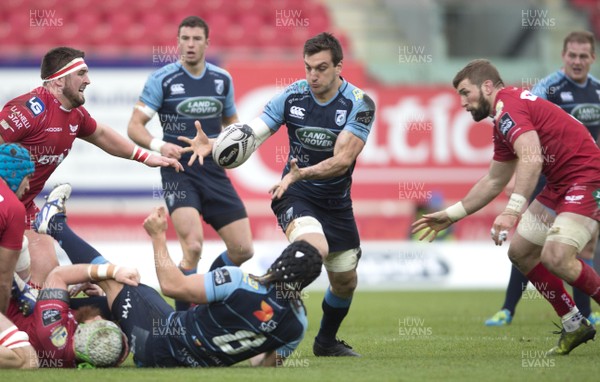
pixel 515 254
pixel 342 261
pixel 554 259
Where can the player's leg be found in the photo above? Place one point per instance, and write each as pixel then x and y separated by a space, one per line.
pixel 238 240
pixel 188 226
pixel 582 300
pixel 52 220
pixel 143 316
pixel 224 211
pixel 43 256
pixel 568 235
pixel 340 263
pixel 525 252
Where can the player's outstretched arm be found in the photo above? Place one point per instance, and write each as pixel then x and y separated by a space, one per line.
pixel 347 148
pixel 137 132
pixel 483 192
pixel 115 144
pixel 173 283
pixel 63 276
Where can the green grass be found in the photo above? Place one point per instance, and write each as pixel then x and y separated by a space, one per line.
pixel 403 336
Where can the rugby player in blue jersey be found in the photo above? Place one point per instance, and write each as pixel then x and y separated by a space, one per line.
pixel 578 93
pixel 181 92
pixel 328 121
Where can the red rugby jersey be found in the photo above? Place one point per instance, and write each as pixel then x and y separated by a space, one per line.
pixel 37 121
pixel 568 150
pixel 12 219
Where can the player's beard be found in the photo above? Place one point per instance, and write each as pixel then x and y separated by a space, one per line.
pixel 483 111
pixel 74 97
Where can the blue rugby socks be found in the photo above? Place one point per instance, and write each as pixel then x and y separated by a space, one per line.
pixel 221 261
pixel 335 310
pixel 77 249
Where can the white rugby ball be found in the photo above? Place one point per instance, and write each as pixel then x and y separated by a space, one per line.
pixel 234 145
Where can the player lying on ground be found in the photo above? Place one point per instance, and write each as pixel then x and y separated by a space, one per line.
pixel 241 315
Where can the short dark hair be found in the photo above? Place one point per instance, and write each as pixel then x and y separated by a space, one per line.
pixel 56 58
pixel 478 71
pixel 324 41
pixel 193 22
pixel 581 37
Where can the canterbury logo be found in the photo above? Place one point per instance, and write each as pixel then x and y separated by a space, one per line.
pixel 298 112
pixel 265 313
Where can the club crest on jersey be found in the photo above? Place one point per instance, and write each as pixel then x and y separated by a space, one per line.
pixel 177 89
pixel 506 123
pixel 340 117
pixel 219 86
pixel 58 336
pixel 73 128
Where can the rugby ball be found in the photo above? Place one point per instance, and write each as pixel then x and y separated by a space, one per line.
pixel 234 145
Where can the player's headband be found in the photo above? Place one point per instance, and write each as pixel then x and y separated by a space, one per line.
pixel 73 66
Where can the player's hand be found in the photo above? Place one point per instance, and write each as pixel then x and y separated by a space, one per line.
pixel 502 225
pixel 155 160
pixel 129 276
pixel 88 288
pixel 170 150
pixel 156 222
pixel 291 177
pixel 200 146
pixel 432 224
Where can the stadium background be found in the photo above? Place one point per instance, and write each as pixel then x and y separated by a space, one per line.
pixel 423 151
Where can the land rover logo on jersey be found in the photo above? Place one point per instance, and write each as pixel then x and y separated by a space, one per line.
pixel 219 86
pixel 587 113
pixel 200 107
pixel 340 117
pixel 316 138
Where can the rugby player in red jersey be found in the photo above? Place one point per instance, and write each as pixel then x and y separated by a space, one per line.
pixel 46 121
pixel 16 168
pixel 534 136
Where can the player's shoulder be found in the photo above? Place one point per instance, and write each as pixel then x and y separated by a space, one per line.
pixel 543 87
pixel 9 201
pixel 215 70
pixel 594 81
pixel 160 74
pixel 356 95
pixel 298 87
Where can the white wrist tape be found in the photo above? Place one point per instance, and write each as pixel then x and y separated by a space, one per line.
pixel 456 212
pixel 156 144
pixel 102 271
pixel 516 203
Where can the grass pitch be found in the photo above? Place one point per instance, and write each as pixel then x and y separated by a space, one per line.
pixel 403 336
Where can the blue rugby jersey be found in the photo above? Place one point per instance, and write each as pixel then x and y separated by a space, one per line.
pixel 180 99
pixel 313 128
pixel 241 320
pixel 582 101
